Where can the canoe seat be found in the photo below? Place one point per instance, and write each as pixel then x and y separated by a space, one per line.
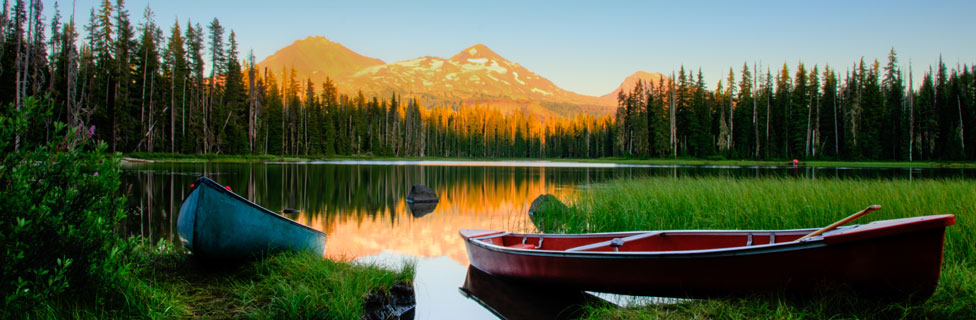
pixel 615 243
pixel 522 246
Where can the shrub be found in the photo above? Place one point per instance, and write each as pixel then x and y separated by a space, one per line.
pixel 59 207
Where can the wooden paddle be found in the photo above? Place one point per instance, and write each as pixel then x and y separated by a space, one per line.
pixel 841 222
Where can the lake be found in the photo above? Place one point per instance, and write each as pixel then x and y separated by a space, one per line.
pixel 361 205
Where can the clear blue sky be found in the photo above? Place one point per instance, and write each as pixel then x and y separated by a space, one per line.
pixel 591 46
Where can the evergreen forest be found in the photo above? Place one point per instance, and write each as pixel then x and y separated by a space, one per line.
pixel 187 88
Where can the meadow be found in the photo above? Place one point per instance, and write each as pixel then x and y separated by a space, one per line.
pixel 782 203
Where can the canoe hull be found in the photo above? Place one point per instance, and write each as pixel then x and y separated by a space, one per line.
pixel 215 223
pixel 898 264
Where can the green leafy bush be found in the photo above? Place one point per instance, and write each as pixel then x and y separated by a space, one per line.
pixel 59 208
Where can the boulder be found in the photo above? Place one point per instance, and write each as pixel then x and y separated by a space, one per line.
pixel 398 303
pixel 420 193
pixel 543 203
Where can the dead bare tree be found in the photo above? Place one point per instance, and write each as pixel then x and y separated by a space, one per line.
pixel 911 112
pixel 755 115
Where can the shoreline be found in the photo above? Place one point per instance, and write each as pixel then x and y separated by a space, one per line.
pixel 218 158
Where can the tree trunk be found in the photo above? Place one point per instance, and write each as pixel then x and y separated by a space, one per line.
pixel 806 147
pixel 172 111
pixel 152 83
pixel 836 132
pixel 755 115
pixel 911 114
pixel 962 137
pixel 142 112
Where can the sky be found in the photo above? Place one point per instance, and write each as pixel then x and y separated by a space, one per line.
pixel 589 47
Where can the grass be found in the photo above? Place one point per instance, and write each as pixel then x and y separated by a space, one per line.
pixel 210 157
pixel 780 203
pixel 284 286
pixel 167 284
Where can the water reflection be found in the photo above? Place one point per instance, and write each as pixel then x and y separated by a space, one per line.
pixel 513 299
pixel 362 207
pixel 420 209
pixel 436 284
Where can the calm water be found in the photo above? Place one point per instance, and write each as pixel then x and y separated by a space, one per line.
pixel 361 206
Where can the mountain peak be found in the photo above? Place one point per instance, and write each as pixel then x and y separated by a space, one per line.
pixel 317 57
pixel 477 51
pixel 319 38
pixel 631 81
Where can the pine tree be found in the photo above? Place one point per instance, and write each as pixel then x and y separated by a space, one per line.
pixel 213 93
pixel 813 114
pixel 780 128
pixel 146 62
pixel 872 105
pixel 743 115
pixel 893 131
pixel 830 121
pixel 797 113
pixel 330 104
pixel 274 133
pixel 103 72
pixel 195 115
pixel 233 111
pixel 175 71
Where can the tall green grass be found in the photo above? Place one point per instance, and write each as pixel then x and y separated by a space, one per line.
pixel 305 286
pixel 288 285
pixel 783 203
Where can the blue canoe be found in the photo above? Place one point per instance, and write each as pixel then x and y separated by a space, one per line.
pixel 215 223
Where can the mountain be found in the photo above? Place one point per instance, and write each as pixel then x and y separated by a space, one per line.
pixel 317 58
pixel 631 81
pixel 476 75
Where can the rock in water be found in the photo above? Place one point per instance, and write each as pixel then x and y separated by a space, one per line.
pixel 543 203
pixel 420 209
pixel 420 193
pixel 398 303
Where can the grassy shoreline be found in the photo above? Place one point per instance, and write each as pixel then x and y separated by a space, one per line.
pixel 220 158
pixel 163 282
pixel 782 203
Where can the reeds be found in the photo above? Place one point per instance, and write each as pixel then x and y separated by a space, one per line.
pixel 305 286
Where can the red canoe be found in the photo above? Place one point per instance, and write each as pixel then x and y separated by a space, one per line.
pixel 900 257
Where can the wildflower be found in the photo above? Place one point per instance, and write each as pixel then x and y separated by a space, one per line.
pixel 96 174
pixel 91 131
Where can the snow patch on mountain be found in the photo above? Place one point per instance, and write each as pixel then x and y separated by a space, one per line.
pixel 492 67
pixel 517 78
pixel 543 92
